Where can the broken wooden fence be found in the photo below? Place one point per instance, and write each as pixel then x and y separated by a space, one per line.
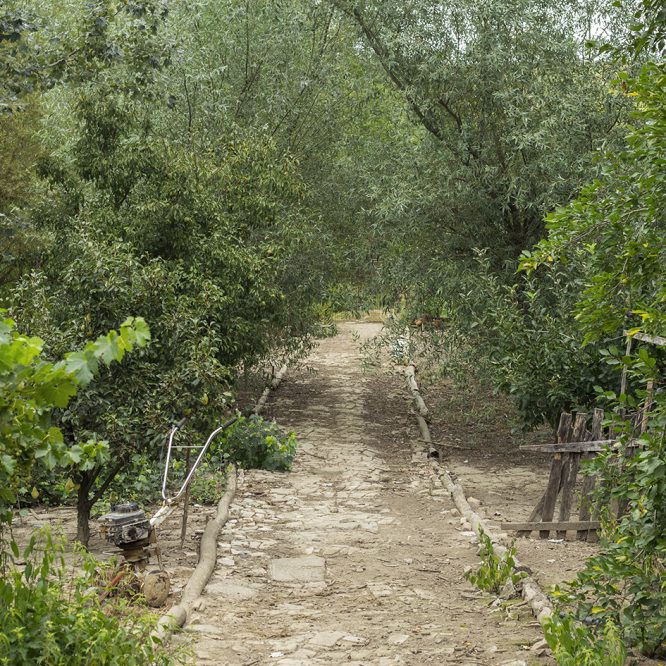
pixel 576 443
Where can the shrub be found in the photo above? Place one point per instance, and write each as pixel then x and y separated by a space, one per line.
pixel 254 443
pixel 624 583
pixel 208 484
pixel 50 614
pixel 574 644
pixel 495 569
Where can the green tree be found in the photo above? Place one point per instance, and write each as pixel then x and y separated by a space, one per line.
pixel 512 102
pixel 32 388
pixel 614 237
pixel 201 233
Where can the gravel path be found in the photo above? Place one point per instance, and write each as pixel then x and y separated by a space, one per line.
pixel 351 558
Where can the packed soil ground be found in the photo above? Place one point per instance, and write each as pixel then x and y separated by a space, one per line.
pixel 352 557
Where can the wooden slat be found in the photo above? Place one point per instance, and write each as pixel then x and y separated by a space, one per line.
pixel 555 478
pixel 587 489
pixel 597 424
pixel 553 525
pixel 647 406
pixel 644 337
pixel 570 447
pixel 570 471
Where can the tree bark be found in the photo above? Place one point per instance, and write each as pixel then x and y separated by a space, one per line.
pixel 83 506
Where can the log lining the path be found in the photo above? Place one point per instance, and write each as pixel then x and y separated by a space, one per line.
pixel 178 615
pixel 422 413
pixel 531 592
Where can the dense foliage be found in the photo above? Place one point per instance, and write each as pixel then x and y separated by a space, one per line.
pixel 231 173
pixel 50 614
pixel 614 236
pixel 32 388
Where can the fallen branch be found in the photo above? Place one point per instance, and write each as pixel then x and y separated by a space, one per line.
pixel 178 614
pixel 275 382
pixel 531 592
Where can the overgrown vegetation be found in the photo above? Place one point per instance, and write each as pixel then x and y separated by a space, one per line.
pixel 234 173
pixel 50 613
pixel 495 570
pixel 573 644
pixel 255 443
pixel 623 586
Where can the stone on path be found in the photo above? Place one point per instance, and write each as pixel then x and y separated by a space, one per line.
pixel 326 638
pixel 310 569
pixel 229 590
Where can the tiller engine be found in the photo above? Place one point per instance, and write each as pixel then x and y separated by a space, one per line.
pixel 129 529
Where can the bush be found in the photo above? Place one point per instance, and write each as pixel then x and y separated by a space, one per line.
pixel 208 484
pixel 495 569
pixel 254 443
pixel 50 614
pixel 624 583
pixel 573 644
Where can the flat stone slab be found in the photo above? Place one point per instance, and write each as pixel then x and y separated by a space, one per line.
pixel 230 590
pixel 326 638
pixel 310 569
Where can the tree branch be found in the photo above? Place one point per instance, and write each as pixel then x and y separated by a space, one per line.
pixel 107 482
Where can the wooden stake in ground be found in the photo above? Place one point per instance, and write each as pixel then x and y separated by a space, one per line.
pixel 186 501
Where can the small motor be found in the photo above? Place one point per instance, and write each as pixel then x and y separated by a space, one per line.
pixel 128 528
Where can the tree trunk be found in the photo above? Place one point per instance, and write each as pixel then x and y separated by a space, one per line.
pixel 83 506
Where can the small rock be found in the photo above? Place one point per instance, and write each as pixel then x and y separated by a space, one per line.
pixel 326 638
pixel 298 569
pixel 203 628
pixel 473 502
pixel 156 588
pixel 540 648
pixel 508 590
pixel 397 639
pixel 356 640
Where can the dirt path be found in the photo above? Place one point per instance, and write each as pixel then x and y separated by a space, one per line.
pixel 349 559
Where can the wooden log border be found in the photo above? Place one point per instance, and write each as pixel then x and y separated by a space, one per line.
pixel 177 616
pixel 531 592
pixel 422 413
